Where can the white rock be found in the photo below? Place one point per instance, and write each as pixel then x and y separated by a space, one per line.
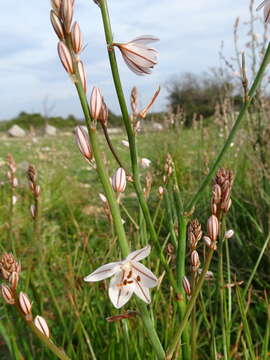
pixel 16 131
pixel 50 130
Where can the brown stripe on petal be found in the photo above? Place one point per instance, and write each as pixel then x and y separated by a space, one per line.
pixel 140 55
pixel 139 253
pixel 146 275
pixel 148 300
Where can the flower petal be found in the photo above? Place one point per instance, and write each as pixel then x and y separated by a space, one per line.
pixel 147 278
pixel 103 272
pixel 140 55
pixel 145 39
pixel 134 67
pixel 267 12
pixel 138 255
pixel 120 294
pixel 142 292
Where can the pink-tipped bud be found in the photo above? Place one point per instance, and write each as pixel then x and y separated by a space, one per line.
pixel 213 207
pixel 160 191
pixel 216 194
pixel 65 57
pixel 7 295
pixel 82 75
pixel 25 304
pixel 76 38
pixel 207 241
pixel 227 205
pixel 213 227
pixel 67 13
pixel 42 326
pixel 119 180
pixel 186 286
pixel 56 5
pixel 13 280
pixel 195 260
pixel 96 102
pixel 229 234
pixel 104 114
pixel 57 25
pixel 82 140
pixel 33 211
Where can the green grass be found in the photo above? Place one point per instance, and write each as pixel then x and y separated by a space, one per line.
pixel 76 238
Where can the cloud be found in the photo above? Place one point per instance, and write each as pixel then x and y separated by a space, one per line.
pixel 190 31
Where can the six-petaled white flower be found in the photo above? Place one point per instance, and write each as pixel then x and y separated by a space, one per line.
pixel 266 5
pixel 129 276
pixel 138 56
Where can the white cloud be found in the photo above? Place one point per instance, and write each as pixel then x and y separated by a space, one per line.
pixel 190 33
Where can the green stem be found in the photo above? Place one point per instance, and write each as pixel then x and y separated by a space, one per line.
pixel 233 131
pixel 191 304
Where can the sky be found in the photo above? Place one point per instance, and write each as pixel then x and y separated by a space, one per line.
pixel 33 79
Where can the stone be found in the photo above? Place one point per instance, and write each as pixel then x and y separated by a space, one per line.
pixel 16 131
pixel 50 130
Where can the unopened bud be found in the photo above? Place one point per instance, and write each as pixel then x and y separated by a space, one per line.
pixel 195 260
pixel 25 305
pixel 33 211
pixel 161 191
pixel 67 13
pixel 82 140
pixel 103 114
pixel 186 285
pixel 145 163
pixel 42 326
pixel 216 194
pixel 119 181
pixel 13 280
pixel 14 199
pixel 103 198
pixel 57 25
pixel 56 5
pixel 207 241
pixel 213 227
pixel 229 234
pixel 37 191
pixel 82 75
pixel 65 57
pixel 213 208
pixel 7 295
pixel 15 182
pixel 227 205
pixel 95 103
pixel 76 38
pixel 125 143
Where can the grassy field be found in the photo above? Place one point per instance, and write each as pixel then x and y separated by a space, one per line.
pixel 76 238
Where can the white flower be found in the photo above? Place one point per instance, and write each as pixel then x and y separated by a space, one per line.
pixel 129 276
pixel 266 10
pixel 138 56
pixel 145 163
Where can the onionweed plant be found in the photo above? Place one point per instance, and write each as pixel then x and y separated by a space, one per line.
pixel 180 265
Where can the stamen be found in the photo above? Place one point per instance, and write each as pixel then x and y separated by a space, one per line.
pixel 138 278
pixel 129 274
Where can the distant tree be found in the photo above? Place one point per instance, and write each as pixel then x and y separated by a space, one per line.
pixel 198 94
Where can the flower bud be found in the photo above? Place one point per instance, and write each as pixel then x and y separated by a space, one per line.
pixel 125 143
pixel 195 260
pixel 82 75
pixel 213 227
pixel 95 103
pixel 65 57
pixel 76 38
pixel 13 280
pixel 207 241
pixel 15 182
pixel 216 194
pixel 67 13
pixel 103 198
pixel 229 234
pixel 186 285
pixel 33 211
pixel 119 181
pixel 42 326
pixel 14 199
pixel 82 140
pixel 104 114
pixel 161 191
pixel 56 5
pixel 227 205
pixel 37 191
pixel 145 163
pixel 57 25
pixel 7 295
pixel 25 305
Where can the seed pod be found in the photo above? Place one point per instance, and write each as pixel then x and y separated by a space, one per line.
pixel 25 304
pixel 42 326
pixel 65 57
pixel 119 181
pixel 213 227
pixel 82 140
pixel 7 295
pixel 82 75
pixel 96 102
pixel 57 25
pixel 186 286
pixel 76 38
